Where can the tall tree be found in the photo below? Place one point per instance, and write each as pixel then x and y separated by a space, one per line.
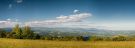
pixel 27 33
pixel 2 33
pixel 27 30
pixel 17 30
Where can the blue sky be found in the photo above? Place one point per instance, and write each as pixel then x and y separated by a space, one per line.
pixel 106 14
pixel 41 9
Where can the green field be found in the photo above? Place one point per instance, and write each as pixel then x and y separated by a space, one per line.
pixel 18 43
pixel 113 44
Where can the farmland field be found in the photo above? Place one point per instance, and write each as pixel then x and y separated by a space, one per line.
pixel 18 43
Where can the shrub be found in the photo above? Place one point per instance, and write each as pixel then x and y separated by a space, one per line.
pixel 119 38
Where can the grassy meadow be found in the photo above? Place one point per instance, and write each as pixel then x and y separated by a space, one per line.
pixel 113 44
pixel 18 43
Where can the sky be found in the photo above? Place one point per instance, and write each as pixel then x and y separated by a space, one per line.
pixel 101 14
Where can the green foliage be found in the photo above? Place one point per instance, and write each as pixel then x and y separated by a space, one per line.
pixel 24 33
pixel 96 38
pixel 27 33
pixel 2 33
pixel 37 36
pixel 27 30
pixel 16 32
pixel 107 39
pixel 119 38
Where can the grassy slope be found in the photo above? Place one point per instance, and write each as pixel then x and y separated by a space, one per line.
pixel 17 43
pixel 113 44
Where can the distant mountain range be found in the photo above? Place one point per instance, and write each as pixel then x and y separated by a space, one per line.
pixel 89 31
pixel 78 31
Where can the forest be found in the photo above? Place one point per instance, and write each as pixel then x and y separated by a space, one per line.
pixel 26 33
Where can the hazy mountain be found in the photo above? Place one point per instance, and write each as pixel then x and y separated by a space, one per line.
pixel 78 31
pixel 89 31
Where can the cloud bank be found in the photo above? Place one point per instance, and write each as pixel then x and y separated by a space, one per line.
pixel 75 11
pixel 16 1
pixel 61 19
pixel 58 21
pixel 8 23
pixel 19 1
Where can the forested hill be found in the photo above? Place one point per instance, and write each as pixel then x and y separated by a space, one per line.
pixel 77 31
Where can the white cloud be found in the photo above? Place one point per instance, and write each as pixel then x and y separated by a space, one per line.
pixel 79 25
pixel 10 6
pixel 7 23
pixel 73 18
pixel 60 20
pixel 75 11
pixel 2 22
pixel 16 20
pixel 8 19
pixel 19 1
pixel 119 25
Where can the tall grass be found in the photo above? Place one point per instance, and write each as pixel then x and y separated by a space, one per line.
pixel 113 44
pixel 18 43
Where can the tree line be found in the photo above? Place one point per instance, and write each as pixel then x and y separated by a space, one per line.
pixel 113 38
pixel 26 33
pixel 19 33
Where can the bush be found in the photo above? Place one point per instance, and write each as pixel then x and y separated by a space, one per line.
pixel 96 38
pixel 119 38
